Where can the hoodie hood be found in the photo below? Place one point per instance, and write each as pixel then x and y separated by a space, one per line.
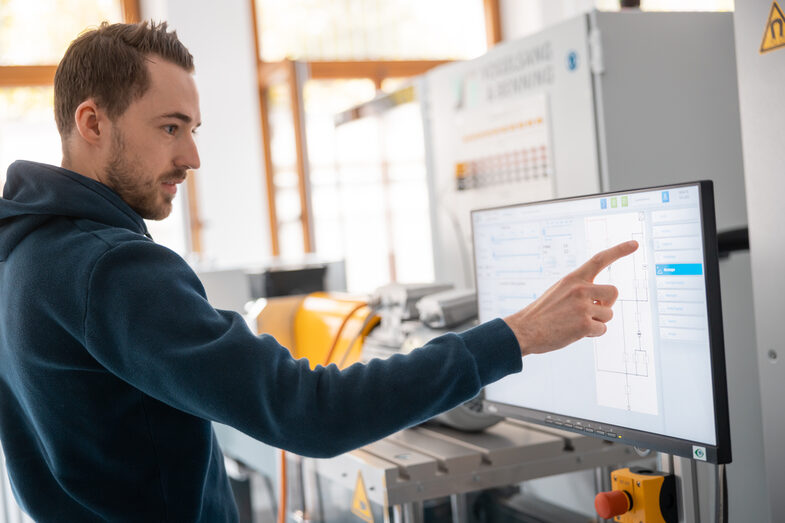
pixel 35 193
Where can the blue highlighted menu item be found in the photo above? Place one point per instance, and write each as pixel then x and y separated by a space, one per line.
pixel 679 269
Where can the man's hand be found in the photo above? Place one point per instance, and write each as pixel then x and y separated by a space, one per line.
pixel 572 308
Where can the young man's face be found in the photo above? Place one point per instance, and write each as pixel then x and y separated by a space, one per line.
pixel 153 143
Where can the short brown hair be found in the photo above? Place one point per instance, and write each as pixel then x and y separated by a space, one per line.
pixel 108 65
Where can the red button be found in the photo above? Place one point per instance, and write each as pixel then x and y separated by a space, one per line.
pixel 613 503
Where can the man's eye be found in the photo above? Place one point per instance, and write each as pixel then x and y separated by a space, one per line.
pixel 170 129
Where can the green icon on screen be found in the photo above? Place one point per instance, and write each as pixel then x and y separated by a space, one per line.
pixel 614 203
pixel 624 201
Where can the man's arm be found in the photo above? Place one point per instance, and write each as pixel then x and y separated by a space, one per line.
pixel 149 323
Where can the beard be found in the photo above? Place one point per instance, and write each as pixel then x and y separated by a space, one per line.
pixel 125 175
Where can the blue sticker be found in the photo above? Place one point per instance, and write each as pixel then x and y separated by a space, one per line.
pixel 572 60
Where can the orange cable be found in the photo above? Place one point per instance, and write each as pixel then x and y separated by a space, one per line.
pixel 366 326
pixel 340 331
pixel 282 494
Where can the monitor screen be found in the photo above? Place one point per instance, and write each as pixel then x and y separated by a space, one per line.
pixel 656 378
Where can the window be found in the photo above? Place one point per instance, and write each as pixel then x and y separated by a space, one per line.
pixel 38 33
pixel 349 197
pixel 372 202
pixel 370 30
pixel 27 129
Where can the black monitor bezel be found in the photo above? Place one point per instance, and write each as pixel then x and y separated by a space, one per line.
pixel 719 453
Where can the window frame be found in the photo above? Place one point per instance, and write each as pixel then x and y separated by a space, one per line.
pixel 294 73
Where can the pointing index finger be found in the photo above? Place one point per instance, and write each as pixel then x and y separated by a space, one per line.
pixel 589 270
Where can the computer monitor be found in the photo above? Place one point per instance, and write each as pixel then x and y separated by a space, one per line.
pixel 656 378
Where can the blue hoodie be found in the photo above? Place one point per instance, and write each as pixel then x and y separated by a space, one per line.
pixel 113 364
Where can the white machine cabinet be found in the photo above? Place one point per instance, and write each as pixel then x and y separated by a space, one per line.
pixel 605 101
pixel 601 102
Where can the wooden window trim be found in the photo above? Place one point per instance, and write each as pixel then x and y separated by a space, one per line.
pixel 378 70
pixel 27 75
pixel 303 182
pixel 279 72
pixel 493 22
pixel 194 220
pixel 132 13
pixel 264 118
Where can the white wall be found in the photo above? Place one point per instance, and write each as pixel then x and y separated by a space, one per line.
pixel 231 191
pixel 523 17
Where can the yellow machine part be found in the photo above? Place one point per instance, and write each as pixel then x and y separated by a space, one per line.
pixel 645 492
pixel 308 325
pixel 277 318
pixel 317 322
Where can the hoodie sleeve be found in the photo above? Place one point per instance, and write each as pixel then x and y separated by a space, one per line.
pixel 147 321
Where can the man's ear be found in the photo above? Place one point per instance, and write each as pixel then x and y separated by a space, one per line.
pixel 91 122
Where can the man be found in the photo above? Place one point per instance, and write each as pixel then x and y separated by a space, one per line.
pixel 113 363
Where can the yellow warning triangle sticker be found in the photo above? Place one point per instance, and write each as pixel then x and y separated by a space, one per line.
pixel 774 34
pixel 360 505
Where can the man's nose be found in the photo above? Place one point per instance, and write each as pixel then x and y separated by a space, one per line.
pixel 189 156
